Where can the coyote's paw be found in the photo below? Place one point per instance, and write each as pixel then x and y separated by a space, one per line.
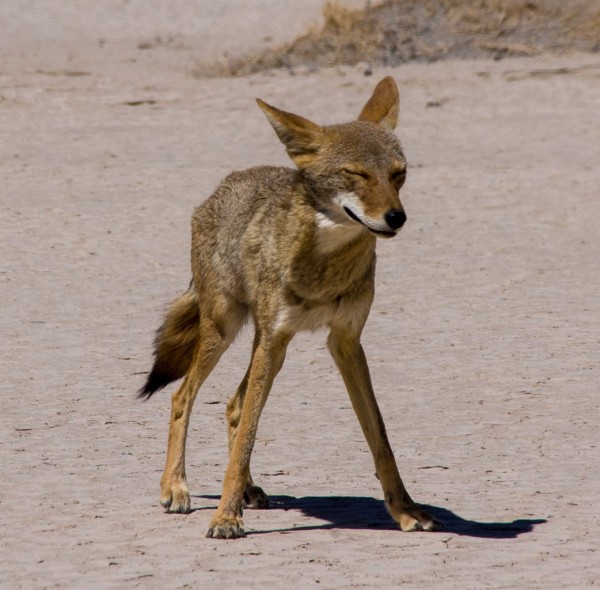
pixel 226 527
pixel 255 497
pixel 412 518
pixel 175 497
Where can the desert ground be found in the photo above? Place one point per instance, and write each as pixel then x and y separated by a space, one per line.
pixel 483 341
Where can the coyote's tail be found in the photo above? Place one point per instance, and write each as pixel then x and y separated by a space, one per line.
pixel 174 343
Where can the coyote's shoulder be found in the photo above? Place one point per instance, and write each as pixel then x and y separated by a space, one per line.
pixel 264 233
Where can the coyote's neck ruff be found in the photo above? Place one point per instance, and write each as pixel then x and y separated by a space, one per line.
pixel 294 250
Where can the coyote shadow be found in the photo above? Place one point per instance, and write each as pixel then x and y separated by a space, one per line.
pixel 359 512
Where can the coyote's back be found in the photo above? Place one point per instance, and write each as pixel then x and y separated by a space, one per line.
pixel 293 249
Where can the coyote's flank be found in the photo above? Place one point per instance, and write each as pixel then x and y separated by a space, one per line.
pixel 294 249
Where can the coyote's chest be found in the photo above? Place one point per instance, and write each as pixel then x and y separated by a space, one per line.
pixel 323 289
pixel 334 262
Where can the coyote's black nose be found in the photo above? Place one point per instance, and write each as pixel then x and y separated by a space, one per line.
pixel 395 218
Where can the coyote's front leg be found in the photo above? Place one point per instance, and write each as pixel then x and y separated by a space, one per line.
pixel 349 356
pixel 254 496
pixel 266 362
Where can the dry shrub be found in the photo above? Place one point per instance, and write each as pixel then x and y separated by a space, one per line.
pixel 493 17
pixel 397 31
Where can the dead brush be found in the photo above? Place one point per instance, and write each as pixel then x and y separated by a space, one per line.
pixel 490 17
pixel 397 31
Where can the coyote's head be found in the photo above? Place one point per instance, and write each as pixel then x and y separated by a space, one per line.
pixel 354 170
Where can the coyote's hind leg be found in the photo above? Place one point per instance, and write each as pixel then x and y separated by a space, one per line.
pixel 213 340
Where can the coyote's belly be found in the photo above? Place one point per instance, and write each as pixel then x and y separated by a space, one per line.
pixel 298 318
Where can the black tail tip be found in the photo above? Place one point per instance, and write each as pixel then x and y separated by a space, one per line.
pixel 154 383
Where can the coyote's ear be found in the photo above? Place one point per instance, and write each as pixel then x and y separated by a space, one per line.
pixel 299 135
pixel 384 105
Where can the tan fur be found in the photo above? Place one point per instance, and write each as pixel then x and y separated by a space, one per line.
pixel 293 250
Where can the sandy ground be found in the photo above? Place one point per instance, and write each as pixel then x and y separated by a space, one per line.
pixel 483 340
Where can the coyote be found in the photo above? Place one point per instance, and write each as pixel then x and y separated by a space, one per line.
pixel 294 249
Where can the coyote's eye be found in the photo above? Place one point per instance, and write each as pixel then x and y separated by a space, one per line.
pixel 354 172
pixel 398 176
